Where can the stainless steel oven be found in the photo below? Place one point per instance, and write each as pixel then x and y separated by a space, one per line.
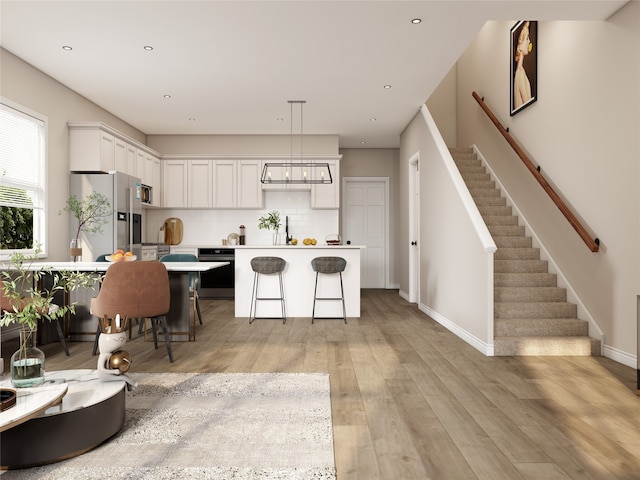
pixel 219 282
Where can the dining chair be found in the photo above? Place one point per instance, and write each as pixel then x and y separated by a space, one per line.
pixel 135 290
pixel 194 283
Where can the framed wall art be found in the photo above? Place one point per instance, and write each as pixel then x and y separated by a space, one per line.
pixel 524 65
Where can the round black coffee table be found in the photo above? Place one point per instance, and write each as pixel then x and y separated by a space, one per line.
pixel 90 412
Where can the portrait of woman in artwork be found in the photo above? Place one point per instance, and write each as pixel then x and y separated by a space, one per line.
pixel 523 65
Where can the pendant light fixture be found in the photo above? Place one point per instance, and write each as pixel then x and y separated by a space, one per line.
pixel 296 172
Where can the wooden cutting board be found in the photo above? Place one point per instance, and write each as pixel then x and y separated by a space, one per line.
pixel 173 231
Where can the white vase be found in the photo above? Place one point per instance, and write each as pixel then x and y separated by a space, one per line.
pixel 276 237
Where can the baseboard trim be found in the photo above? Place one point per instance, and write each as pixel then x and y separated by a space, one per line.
pixel 475 342
pixel 621 357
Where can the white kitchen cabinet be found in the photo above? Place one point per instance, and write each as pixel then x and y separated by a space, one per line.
pixel 249 191
pixel 327 196
pixel 174 185
pixel 156 183
pixel 199 181
pixel 96 147
pixel 120 155
pixel 224 183
pixel 90 150
pixel 141 164
pixel 132 153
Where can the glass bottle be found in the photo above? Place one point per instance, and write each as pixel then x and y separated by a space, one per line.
pixel 242 235
pixel 27 364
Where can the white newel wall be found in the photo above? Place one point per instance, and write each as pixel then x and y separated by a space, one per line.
pixel 209 227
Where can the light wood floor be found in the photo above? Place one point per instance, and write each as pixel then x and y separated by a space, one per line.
pixel 412 401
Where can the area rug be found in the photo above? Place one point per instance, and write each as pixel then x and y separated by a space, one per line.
pixel 213 426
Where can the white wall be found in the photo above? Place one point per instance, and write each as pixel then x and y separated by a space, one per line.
pixel 583 131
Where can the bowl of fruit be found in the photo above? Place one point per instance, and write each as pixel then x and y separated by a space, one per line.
pixel 121 256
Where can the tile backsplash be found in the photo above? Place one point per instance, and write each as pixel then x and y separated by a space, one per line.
pixel 209 227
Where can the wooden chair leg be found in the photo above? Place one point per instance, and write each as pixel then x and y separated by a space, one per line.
pixel 95 341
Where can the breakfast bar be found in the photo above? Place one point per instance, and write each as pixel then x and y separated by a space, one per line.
pixel 299 281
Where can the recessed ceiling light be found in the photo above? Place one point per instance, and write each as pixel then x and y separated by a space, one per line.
pixel 148 47
pixel 416 21
pixel 167 96
pixel 192 119
pixel 279 119
pixel 387 86
pixel 67 47
pixel 372 119
pixel 363 142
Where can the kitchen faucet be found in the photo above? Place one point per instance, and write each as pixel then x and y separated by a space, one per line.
pixel 286 230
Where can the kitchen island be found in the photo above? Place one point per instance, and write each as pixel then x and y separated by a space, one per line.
pixel 299 281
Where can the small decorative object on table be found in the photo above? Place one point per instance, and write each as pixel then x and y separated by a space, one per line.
pixel 113 362
pixel 7 398
pixel 333 239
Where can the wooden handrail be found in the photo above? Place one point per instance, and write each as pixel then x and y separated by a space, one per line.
pixel 592 243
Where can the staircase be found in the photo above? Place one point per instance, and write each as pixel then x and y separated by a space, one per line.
pixel 531 313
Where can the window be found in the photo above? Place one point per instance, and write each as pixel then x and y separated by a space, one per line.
pixel 22 179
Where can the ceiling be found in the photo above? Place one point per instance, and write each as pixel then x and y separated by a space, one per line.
pixel 232 66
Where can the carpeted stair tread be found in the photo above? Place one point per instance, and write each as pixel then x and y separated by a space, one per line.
pixel 550 346
pixel 540 327
pixel 520 266
pixel 481 185
pixel 535 310
pixel 525 280
pixel 513 242
pixel 490 201
pixel 522 253
pixel 484 192
pixel 495 210
pixel 500 219
pixel 506 230
pixel 529 294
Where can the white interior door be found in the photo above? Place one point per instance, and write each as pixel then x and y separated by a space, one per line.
pixel 365 221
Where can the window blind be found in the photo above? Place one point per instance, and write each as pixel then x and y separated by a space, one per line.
pixel 22 143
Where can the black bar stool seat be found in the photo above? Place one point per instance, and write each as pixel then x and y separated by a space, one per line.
pixel 267 266
pixel 328 266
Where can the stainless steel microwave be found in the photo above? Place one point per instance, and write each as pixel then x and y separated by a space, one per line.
pixel 145 194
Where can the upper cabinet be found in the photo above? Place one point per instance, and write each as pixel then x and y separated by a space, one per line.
pixel 327 196
pixel 95 147
pixel 203 182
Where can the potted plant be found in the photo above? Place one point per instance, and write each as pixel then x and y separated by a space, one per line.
pixel 271 221
pixel 90 214
pixel 25 300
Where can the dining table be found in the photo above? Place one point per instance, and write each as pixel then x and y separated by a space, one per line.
pixel 82 325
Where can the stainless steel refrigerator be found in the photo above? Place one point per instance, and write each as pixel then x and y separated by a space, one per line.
pixel 124 228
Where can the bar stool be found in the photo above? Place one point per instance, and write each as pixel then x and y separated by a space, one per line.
pixel 328 265
pixel 267 266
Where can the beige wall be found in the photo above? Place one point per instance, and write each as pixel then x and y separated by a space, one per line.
pixel 29 87
pixel 443 107
pixel 583 131
pixel 379 162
